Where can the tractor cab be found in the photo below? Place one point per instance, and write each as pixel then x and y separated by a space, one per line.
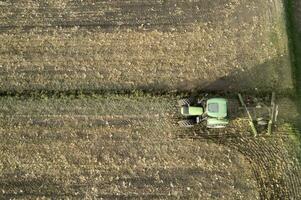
pixel 216 108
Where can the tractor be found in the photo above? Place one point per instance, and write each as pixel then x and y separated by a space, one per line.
pixel 212 112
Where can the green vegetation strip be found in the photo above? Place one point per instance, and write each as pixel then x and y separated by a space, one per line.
pixel 293 10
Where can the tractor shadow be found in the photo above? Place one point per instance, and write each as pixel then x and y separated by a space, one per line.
pixel 263 78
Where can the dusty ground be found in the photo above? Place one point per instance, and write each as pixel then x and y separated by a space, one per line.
pixel 112 147
pixel 149 45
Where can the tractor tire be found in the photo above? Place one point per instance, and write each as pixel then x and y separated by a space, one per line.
pixel 187 123
pixel 186 102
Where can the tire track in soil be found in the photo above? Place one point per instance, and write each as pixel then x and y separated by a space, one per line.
pixel 278 175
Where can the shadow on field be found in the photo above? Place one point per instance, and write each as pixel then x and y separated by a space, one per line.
pixel 19 186
pixel 293 12
pixel 262 78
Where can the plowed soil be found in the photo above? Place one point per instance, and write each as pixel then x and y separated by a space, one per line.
pixel 112 147
pixel 129 146
pixel 150 45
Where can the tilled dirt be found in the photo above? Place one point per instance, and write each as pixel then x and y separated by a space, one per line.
pixel 131 147
pixel 273 158
pixel 145 45
pixel 82 148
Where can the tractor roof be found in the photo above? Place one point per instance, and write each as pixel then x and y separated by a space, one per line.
pixel 217 107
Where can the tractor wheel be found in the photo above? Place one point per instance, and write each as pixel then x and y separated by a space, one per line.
pixel 186 101
pixel 187 123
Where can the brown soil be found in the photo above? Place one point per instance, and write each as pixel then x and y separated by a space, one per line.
pixel 93 147
pixel 130 146
pixel 149 45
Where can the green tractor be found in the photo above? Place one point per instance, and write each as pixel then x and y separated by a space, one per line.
pixel 212 111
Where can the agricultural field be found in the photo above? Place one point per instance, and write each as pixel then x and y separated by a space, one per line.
pixel 118 146
pixel 88 94
pixel 63 45
pixel 112 147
